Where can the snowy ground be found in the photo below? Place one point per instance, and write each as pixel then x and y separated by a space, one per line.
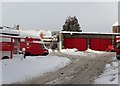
pixel 81 53
pixel 110 75
pixel 93 51
pixel 72 52
pixel 88 67
pixel 20 69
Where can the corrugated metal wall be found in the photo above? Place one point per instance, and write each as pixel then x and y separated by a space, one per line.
pixel 100 44
pixel 79 43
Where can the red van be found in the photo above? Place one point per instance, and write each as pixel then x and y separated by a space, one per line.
pixel 14 41
pixel 32 47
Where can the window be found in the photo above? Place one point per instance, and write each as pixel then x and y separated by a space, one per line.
pixel 6 39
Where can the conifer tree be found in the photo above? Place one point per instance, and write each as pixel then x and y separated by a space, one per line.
pixel 71 24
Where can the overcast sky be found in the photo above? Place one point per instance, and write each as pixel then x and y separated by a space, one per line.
pixel 92 16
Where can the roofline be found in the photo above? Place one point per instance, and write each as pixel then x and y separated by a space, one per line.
pixel 90 33
pixel 10 34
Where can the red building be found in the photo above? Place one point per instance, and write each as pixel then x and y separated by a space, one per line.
pixel 84 40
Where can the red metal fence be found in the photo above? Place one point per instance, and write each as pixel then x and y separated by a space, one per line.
pixel 79 43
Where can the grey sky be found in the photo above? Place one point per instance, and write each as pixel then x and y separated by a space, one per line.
pixel 92 16
pixel 0 13
pixel 119 12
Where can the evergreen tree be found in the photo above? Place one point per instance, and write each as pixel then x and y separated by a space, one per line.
pixel 71 24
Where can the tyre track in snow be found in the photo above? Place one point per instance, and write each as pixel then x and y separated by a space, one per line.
pixel 82 70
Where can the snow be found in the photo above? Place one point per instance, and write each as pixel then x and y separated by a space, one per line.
pixel 29 33
pixel 73 51
pixel 110 75
pixel 116 24
pixel 0 72
pixel 20 69
pixel 9 31
pixel 49 50
pixel 94 33
pixel 47 33
pixel 93 51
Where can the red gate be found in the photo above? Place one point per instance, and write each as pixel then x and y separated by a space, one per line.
pixel 100 44
pixel 78 43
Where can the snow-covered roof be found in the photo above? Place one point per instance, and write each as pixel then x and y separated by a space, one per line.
pixel 9 36
pixel 9 31
pixel 116 24
pixel 25 33
pixel 29 33
pixel 36 33
pixel 92 33
pixel 46 33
